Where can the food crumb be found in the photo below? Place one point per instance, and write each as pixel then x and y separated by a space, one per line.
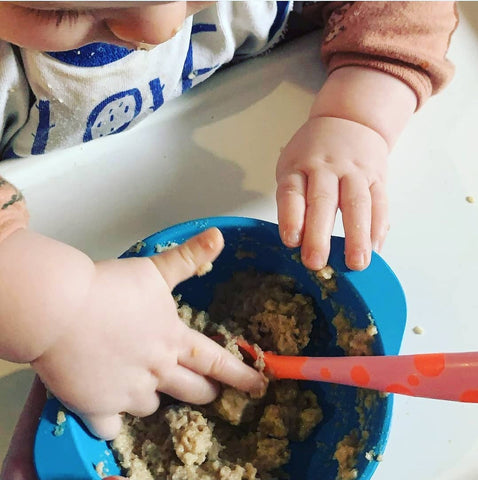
pixel 60 417
pixel 162 248
pixel 100 469
pixel 346 456
pixel 326 278
pixel 371 330
pixel 60 423
pixel 203 269
pixel 418 330
pixel 352 340
pixel 470 199
pixel 259 362
pixel 326 273
pixel 136 248
pixel 371 455
pixel 240 254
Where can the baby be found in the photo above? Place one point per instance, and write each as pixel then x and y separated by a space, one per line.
pixel 104 336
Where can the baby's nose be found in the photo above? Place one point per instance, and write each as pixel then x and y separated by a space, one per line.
pixel 149 24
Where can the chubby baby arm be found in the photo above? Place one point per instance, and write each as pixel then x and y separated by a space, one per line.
pixel 337 159
pixel 38 292
pixel 106 337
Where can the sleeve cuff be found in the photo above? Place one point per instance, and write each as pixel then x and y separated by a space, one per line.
pixel 13 211
pixel 419 81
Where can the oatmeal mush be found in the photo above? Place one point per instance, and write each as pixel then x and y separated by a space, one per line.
pixel 236 437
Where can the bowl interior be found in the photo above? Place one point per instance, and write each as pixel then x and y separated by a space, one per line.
pixel 373 295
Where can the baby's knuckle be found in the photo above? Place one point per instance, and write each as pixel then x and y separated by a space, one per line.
pixel 217 366
pixel 147 405
pixel 291 179
pixel 329 160
pixel 377 185
pixel 187 255
pixel 158 375
pixel 320 197
pixel 288 190
pixel 359 200
pixel 358 162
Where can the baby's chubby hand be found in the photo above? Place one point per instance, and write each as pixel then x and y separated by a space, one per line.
pixel 333 163
pixel 338 159
pixel 125 343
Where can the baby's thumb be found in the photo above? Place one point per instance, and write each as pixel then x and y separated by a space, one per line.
pixel 106 427
pixel 190 258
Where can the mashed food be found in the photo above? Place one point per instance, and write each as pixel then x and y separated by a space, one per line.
pixel 237 437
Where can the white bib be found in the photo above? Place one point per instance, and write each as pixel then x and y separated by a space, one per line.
pixel 101 89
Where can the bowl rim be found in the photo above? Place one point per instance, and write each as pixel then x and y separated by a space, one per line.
pixel 389 313
pixel 361 282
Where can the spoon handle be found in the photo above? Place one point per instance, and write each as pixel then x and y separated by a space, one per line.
pixel 447 376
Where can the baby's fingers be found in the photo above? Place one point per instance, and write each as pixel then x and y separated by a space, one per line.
pixel 356 206
pixel 188 386
pixel 322 203
pixel 187 259
pixel 290 197
pixel 106 427
pixel 207 358
pixel 379 215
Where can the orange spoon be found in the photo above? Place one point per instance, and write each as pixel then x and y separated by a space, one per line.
pixel 447 376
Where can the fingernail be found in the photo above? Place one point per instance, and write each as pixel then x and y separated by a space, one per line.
pixel 314 260
pixel 292 238
pixel 357 260
pixel 207 239
pixel 262 389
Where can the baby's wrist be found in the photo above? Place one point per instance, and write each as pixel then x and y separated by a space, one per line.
pixel 369 97
pixel 43 283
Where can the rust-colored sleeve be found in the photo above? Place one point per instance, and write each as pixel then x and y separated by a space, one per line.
pixel 408 40
pixel 13 210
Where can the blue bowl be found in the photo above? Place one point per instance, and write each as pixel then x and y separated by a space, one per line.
pixel 68 452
